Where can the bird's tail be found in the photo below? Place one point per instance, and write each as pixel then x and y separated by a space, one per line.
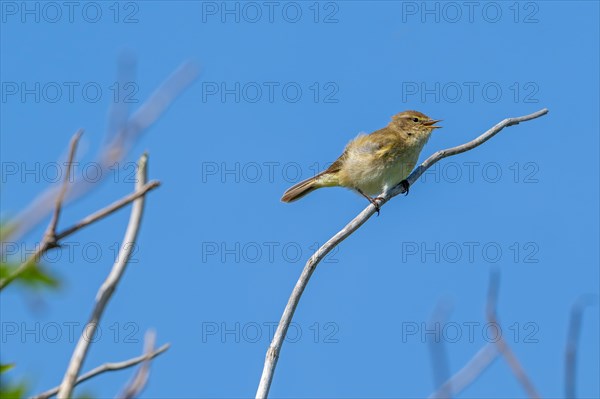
pixel 299 190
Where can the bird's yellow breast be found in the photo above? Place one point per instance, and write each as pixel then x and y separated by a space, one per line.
pixel 374 168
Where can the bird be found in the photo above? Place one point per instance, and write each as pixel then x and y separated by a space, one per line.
pixel 373 163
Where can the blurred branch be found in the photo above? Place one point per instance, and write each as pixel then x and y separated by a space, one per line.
pixel 501 343
pixel 469 373
pixel 107 367
pixel 124 131
pixel 482 359
pixel 139 381
pixel 573 341
pixel 49 240
pixel 275 347
pixel 108 287
pixel 486 355
pixel 437 349
pixel 96 216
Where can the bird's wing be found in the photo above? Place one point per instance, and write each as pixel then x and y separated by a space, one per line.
pixel 337 165
pixel 379 143
pixel 361 143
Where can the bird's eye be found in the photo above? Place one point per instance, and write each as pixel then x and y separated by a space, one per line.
pixel 415 119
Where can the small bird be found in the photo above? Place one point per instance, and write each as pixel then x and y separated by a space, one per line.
pixel 373 163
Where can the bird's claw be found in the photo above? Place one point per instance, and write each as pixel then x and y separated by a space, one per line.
pixel 375 202
pixel 405 186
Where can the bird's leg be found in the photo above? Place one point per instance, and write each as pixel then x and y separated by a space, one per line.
pixel 405 185
pixel 373 201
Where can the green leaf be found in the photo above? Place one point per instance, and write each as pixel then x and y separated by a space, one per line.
pixel 5 270
pixel 13 391
pixel 5 367
pixel 37 276
pixel 10 389
pixel 34 277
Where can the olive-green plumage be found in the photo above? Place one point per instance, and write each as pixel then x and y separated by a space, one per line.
pixel 374 163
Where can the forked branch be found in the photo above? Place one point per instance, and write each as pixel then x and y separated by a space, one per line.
pixel 108 287
pixel 108 367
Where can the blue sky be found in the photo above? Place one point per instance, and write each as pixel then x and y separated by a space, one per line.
pixel 283 87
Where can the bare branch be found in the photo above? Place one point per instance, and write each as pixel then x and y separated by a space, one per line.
pixel 469 373
pixel 50 236
pixel 139 381
pixel 115 206
pixel 96 216
pixel 572 343
pixel 501 343
pixel 399 189
pixel 275 347
pixel 107 367
pixel 437 349
pixel 108 287
pixel 125 132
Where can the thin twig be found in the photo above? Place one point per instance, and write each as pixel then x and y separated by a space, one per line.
pixel 437 349
pixel 50 236
pixel 108 287
pixel 115 206
pixel 399 189
pixel 275 347
pixel 572 343
pixel 469 373
pixel 107 367
pixel 139 381
pixel 94 217
pixel 501 343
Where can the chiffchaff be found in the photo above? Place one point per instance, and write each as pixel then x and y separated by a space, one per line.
pixel 371 164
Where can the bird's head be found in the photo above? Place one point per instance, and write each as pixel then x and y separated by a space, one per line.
pixel 415 124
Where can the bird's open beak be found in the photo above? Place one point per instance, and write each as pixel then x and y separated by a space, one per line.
pixel 431 122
